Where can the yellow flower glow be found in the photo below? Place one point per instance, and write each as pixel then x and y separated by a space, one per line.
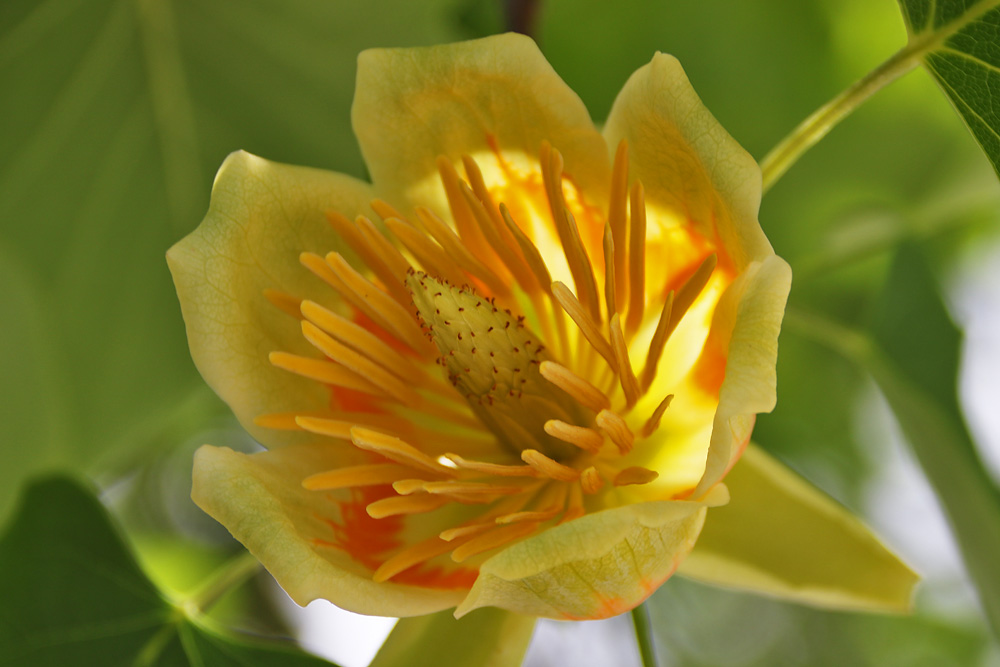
pixel 515 370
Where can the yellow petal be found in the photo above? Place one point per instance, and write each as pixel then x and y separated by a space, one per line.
pixel 688 164
pixel 261 500
pixel 261 217
pixel 412 105
pixel 597 566
pixel 746 322
pixel 696 175
pixel 781 536
pixel 486 638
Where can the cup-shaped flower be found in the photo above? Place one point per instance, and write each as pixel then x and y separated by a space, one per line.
pixel 515 369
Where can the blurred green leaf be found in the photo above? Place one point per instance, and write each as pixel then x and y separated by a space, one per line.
pixel 812 428
pixel 34 423
pixel 912 352
pixel 487 637
pixel 964 60
pixel 780 535
pixel 760 632
pixel 915 362
pixel 74 595
pixel 116 115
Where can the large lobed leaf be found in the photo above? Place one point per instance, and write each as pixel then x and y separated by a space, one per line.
pixel 962 38
pixel 115 116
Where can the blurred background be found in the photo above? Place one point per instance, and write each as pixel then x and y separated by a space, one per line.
pixel 115 115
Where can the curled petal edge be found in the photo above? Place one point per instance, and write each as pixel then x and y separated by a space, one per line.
pixel 597 566
pixel 260 499
pixel 262 215
pixel 749 315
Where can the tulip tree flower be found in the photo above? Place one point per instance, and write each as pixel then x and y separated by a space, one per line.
pixel 519 369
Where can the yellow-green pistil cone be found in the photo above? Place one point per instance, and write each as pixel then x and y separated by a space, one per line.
pixel 493 360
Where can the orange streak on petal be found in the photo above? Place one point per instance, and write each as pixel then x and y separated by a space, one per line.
pixel 437 577
pixel 710 369
pixel 360 536
pixel 348 400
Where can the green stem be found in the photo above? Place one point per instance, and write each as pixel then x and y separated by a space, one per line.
pixel 643 635
pixel 815 127
pixel 232 573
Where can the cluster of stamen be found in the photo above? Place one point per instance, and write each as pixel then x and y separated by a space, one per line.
pixel 523 425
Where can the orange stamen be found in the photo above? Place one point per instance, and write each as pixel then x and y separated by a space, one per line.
pixel 366 368
pixel 493 539
pixel 398 505
pixel 280 421
pixel 459 532
pixel 569 234
pixel 548 467
pixel 324 371
pixel 334 428
pixel 611 299
pixel 455 248
pixel 363 341
pixel 629 383
pixel 635 475
pixel 385 249
pixel 407 558
pixel 377 304
pixel 617 430
pixel 581 390
pixel 469 231
pixel 654 421
pixel 353 476
pixel 585 438
pixel 583 321
pixel 618 197
pixel 409 486
pixel 591 481
pixel 511 259
pixel 658 342
pixel 285 302
pixel 451 487
pixel 397 450
pixel 357 240
pixel 430 255
pixel 636 261
pixel 385 210
pixel 498 469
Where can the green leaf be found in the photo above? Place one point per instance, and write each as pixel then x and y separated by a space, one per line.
pixel 115 117
pixel 37 388
pixel 915 362
pixel 760 632
pixel 960 45
pixel 488 637
pixel 73 595
pixel 912 352
pixel 780 535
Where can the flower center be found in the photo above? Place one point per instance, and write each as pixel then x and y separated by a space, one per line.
pixel 522 428
pixel 493 360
